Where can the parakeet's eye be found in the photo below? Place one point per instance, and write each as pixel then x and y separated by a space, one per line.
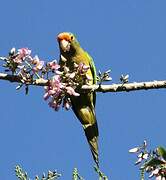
pixel 72 37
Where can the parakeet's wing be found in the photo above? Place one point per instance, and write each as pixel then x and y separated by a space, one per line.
pixel 92 68
pixel 94 74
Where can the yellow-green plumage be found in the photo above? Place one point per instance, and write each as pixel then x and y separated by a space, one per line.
pixel 83 105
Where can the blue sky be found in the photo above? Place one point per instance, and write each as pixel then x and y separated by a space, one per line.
pixel 128 36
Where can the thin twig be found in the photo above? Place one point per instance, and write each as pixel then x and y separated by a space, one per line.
pixel 98 88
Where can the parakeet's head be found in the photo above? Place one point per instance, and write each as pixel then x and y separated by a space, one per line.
pixel 67 42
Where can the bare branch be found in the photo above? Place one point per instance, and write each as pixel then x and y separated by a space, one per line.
pixel 15 78
pixel 98 88
pixel 127 86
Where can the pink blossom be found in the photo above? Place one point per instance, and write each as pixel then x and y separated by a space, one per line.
pixel 72 75
pixel 63 84
pixel 46 96
pixel 54 87
pixel 24 52
pixel 154 172
pixel 49 93
pixel 67 105
pixel 160 178
pixel 53 104
pixel 55 82
pixel 18 60
pixel 66 69
pixel 82 68
pixel 54 65
pixel 38 64
pixel 71 91
pixel 23 74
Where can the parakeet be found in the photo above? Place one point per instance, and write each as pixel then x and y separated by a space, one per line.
pixel 83 105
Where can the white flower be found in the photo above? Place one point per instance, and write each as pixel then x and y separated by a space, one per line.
pixel 134 150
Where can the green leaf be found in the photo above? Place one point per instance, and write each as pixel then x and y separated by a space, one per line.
pixel 76 175
pixel 162 152
pixel 20 173
pixel 152 162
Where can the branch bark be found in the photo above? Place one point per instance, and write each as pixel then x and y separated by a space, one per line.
pixel 14 78
pixel 98 88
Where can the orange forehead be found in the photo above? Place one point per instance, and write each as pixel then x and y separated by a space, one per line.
pixel 64 36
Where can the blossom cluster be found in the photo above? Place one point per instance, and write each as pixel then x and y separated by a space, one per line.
pixel 62 81
pixel 153 162
pixel 20 62
pixel 63 85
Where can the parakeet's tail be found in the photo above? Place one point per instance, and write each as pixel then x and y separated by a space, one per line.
pixel 91 132
pixel 84 110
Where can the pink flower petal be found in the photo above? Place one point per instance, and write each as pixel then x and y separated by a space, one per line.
pixel 67 106
pixel 72 75
pixel 54 65
pixel 24 52
pixel 71 91
pixel 46 96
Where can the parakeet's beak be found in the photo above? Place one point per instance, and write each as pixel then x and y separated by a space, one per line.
pixel 65 45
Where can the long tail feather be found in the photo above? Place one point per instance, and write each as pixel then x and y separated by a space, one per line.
pixel 91 133
pixel 84 110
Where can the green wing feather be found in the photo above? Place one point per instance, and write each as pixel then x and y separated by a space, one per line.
pixel 94 74
pixel 92 68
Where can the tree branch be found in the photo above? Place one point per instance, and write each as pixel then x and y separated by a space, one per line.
pixel 128 86
pixel 18 79
pixel 98 88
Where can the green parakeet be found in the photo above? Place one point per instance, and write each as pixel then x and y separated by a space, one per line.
pixel 83 105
